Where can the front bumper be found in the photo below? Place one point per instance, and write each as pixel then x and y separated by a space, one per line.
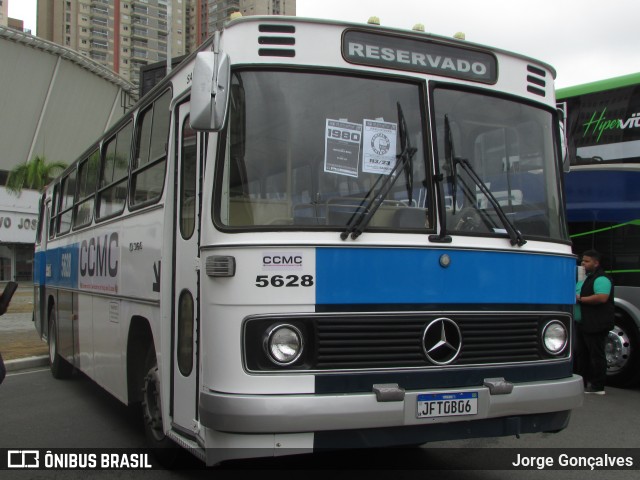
pixel 313 413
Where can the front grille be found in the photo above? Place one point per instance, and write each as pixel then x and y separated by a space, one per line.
pixel 397 342
pixel 369 342
pixel 360 341
pixel 497 341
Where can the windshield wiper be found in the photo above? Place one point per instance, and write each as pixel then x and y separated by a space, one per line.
pixel 452 180
pixel 361 217
pixel 449 156
pixel 452 163
pixel 514 233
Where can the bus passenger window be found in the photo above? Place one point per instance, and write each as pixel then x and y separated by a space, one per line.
pixel 66 202
pixel 54 210
pixel 147 174
pixel 87 180
pixel 113 181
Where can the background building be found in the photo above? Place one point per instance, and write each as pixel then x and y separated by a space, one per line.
pixel 55 102
pixel 125 35
pixel 213 13
pixel 18 221
pixel 121 35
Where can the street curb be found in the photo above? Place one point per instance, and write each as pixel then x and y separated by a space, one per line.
pixel 26 363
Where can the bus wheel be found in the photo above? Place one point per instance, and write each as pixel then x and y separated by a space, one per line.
pixel 622 350
pixel 60 368
pixel 152 414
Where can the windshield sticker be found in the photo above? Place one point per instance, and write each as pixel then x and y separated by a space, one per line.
pixel 379 147
pixel 342 147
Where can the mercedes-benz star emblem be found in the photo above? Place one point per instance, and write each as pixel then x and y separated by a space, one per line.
pixel 442 341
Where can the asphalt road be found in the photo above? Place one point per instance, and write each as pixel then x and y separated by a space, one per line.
pixel 40 412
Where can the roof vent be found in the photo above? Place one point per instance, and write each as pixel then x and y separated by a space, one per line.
pixel 536 81
pixel 281 36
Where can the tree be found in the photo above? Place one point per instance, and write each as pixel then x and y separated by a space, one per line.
pixel 35 174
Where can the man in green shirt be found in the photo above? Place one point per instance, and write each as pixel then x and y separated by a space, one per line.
pixel 594 316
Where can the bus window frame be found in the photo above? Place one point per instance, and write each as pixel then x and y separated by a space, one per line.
pixel 423 96
pixel 53 215
pixel 91 193
pixel 134 169
pixel 186 226
pixel 64 194
pixel 41 206
pixel 100 188
pixel 557 164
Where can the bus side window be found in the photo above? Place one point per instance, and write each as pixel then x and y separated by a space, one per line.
pixel 67 196
pixel 41 208
pixel 87 180
pixel 148 168
pixel 54 210
pixel 188 181
pixel 112 194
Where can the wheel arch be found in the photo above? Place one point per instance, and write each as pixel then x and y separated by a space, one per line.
pixel 139 339
pixel 629 310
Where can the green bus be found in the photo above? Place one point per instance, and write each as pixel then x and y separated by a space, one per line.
pixel 603 201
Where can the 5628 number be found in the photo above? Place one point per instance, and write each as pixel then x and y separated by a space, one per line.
pixel 263 281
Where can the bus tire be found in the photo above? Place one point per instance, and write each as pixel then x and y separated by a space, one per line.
pixel 164 448
pixel 623 353
pixel 60 368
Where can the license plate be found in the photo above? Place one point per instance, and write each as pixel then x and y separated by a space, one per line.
pixel 432 405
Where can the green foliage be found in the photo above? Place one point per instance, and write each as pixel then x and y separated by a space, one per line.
pixel 35 174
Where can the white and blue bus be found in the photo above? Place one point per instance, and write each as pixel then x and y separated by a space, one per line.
pixel 314 235
pixel 603 202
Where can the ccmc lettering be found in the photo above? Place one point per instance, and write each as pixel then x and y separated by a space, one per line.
pixel 99 256
pixel 269 260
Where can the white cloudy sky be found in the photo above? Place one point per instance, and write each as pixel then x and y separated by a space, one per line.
pixel 585 40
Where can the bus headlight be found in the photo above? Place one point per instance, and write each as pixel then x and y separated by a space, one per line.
pixel 554 337
pixel 283 344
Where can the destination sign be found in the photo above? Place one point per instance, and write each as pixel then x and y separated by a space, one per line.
pixel 416 55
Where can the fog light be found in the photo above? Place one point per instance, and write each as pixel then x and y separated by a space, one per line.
pixel 554 337
pixel 283 344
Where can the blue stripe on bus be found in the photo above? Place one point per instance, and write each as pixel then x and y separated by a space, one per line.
pixel 414 276
pixel 61 265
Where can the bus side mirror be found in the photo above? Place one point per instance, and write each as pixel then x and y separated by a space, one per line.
pixel 564 141
pixel 210 91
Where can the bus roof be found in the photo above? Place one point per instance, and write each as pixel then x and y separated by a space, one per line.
pixel 599 86
pixel 389 30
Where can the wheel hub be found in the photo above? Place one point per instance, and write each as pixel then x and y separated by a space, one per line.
pixel 617 350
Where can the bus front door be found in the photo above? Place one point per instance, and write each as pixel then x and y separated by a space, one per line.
pixel 185 288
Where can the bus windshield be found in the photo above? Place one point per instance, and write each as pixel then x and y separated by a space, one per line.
pixel 492 147
pixel 312 150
